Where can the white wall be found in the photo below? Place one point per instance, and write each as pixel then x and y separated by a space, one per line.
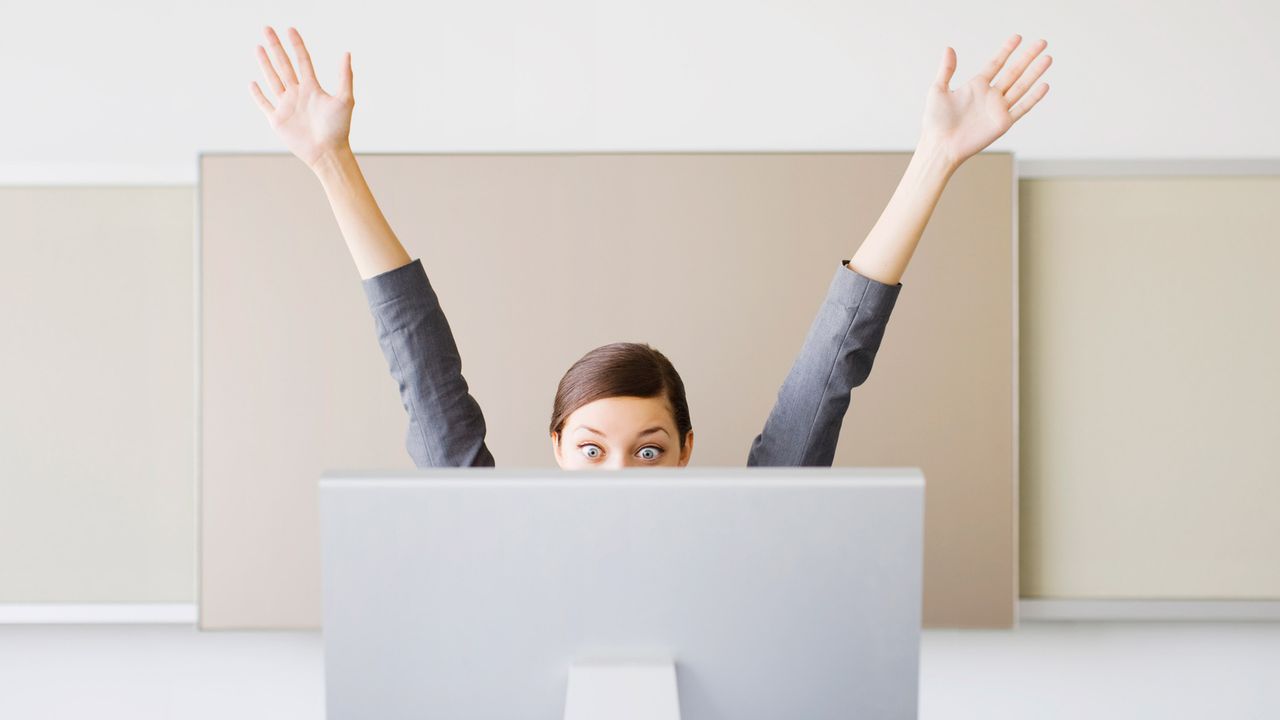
pixel 131 91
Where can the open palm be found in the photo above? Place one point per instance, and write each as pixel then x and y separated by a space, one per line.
pixel 310 121
pixel 971 117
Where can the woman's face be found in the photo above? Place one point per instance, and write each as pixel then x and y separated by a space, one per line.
pixel 617 432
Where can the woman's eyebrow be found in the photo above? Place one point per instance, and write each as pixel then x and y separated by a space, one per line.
pixel 653 429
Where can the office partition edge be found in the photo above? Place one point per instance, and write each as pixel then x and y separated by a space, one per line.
pixel 1029 609
pixel 36 175
pixel 1016 380
pixel 97 613
pixel 197 269
pixel 1154 167
pixel 1070 609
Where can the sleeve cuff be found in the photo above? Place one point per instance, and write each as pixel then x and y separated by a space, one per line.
pixel 853 289
pixel 404 280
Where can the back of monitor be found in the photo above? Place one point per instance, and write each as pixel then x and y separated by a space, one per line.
pixel 776 592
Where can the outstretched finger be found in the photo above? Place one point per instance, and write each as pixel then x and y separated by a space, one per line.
pixel 269 72
pixel 946 70
pixel 998 61
pixel 1021 108
pixel 1027 80
pixel 305 69
pixel 263 103
pixel 280 57
pixel 344 82
pixel 1016 70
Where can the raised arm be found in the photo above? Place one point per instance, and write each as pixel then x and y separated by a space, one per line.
pixel 958 124
pixel 315 126
pixel 841 346
pixel 446 427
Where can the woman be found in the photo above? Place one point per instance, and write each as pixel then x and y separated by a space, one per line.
pixel 624 404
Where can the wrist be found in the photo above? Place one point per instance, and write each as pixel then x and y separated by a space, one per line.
pixel 933 156
pixel 333 162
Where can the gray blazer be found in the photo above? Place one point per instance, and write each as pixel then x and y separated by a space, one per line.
pixel 446 427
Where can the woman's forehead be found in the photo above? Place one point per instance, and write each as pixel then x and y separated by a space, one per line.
pixel 622 414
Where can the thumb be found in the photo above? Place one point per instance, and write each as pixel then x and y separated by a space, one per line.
pixel 946 70
pixel 345 79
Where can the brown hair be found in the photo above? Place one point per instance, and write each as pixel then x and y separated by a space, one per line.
pixel 620 370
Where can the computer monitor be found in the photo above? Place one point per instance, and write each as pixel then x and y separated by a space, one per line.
pixel 659 593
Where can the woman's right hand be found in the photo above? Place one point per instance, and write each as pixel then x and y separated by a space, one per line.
pixel 312 123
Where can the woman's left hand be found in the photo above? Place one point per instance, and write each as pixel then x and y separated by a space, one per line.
pixel 963 121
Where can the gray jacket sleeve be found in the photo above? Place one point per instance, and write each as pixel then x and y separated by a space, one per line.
pixel 446 427
pixel 804 425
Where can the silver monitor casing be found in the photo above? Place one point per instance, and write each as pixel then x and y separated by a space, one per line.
pixel 470 592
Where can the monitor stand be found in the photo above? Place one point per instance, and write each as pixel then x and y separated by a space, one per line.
pixel 622 690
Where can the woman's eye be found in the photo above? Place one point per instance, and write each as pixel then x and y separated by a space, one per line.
pixel 656 451
pixel 586 450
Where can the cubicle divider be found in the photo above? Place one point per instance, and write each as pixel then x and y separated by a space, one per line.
pixel 97 399
pixel 1145 354
pixel 720 260
pixel 1150 466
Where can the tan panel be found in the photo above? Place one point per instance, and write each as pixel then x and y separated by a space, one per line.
pixel 1149 374
pixel 718 260
pixel 96 395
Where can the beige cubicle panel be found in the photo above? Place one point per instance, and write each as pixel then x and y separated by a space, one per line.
pixel 97 338
pixel 1150 348
pixel 720 260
